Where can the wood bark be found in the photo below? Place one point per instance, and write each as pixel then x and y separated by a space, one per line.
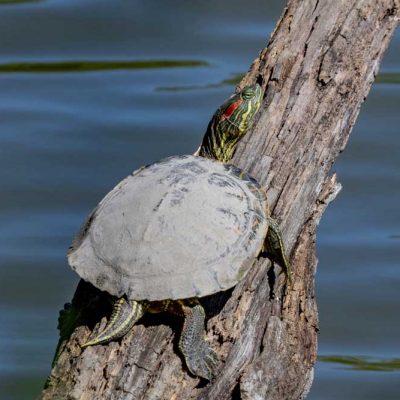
pixel 317 70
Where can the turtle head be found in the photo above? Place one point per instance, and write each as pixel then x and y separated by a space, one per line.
pixel 230 123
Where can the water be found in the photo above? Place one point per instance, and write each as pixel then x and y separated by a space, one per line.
pixel 91 90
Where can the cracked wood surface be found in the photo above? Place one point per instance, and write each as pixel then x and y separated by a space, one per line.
pixel 317 70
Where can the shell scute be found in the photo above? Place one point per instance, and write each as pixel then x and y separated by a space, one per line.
pixel 184 227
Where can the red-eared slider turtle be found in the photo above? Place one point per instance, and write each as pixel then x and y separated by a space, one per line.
pixel 178 230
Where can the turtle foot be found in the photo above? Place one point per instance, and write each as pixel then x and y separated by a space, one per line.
pixel 199 356
pixel 202 361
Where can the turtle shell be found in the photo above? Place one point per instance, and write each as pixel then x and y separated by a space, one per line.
pixel 183 227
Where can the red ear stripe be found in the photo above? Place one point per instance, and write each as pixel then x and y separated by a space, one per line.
pixel 230 110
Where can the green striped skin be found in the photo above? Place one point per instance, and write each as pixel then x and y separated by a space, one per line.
pixel 125 314
pixel 230 123
pixel 200 359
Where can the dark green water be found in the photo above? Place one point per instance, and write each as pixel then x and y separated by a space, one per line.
pixel 91 90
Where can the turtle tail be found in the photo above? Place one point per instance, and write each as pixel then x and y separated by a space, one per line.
pixel 124 315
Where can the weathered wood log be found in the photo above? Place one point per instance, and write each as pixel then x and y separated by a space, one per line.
pixel 317 70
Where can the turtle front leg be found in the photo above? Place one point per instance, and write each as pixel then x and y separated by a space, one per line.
pixel 199 356
pixel 276 251
pixel 124 315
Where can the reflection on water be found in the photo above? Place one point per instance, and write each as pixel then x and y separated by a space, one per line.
pixel 18 1
pixel 388 77
pixel 363 363
pixel 231 82
pixel 87 66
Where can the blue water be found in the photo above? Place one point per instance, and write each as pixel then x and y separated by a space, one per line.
pixel 67 137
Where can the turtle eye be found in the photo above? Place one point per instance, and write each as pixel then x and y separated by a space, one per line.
pixel 248 93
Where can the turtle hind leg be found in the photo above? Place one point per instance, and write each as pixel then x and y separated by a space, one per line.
pixel 124 315
pixel 276 251
pixel 200 359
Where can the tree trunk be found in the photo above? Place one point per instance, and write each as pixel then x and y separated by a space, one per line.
pixel 317 70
